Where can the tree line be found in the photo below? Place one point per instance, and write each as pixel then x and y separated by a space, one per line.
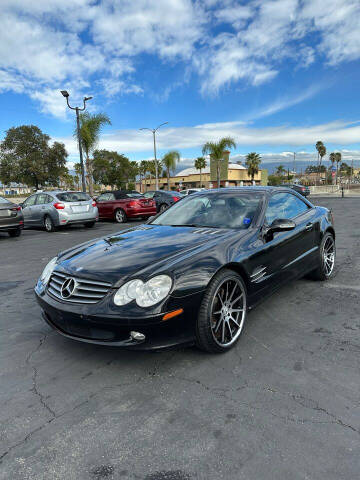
pixel 26 156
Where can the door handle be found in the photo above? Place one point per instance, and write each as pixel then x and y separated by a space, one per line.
pixel 309 226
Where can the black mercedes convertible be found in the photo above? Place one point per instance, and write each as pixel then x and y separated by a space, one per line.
pixel 189 275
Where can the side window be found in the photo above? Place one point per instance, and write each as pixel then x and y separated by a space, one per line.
pixel 149 194
pixel 49 199
pixel 42 198
pixel 30 201
pixel 111 196
pixel 284 205
pixel 103 197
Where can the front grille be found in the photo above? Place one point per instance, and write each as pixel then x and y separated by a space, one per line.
pixel 86 291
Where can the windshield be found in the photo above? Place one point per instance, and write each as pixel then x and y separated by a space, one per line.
pixel 73 197
pixel 216 210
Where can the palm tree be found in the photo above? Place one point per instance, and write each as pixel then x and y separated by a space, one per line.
pixel 253 161
pixel 199 164
pixel 318 145
pixel 332 158
pixel 216 151
pixel 90 127
pixel 322 153
pixel 280 170
pixel 142 171
pixel 337 160
pixel 77 168
pixel 169 161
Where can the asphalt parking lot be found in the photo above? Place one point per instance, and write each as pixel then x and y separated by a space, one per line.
pixel 283 404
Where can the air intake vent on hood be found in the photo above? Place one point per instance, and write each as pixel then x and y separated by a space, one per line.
pixel 207 231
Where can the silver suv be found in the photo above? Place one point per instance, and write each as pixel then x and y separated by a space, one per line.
pixel 57 208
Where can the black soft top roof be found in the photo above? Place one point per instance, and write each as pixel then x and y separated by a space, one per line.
pixel 124 193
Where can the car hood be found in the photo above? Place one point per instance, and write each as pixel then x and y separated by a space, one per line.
pixel 135 251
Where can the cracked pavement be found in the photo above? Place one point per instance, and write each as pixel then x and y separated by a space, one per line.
pixel 283 404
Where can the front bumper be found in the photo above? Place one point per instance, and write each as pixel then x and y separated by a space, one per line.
pixel 80 323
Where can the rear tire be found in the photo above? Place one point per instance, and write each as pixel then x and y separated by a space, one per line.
pixel 119 216
pixel 326 259
pixel 15 233
pixel 222 313
pixel 49 224
pixel 163 207
pixel 89 224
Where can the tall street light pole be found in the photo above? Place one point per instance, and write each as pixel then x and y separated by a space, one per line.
pixel 154 130
pixel 294 162
pixel 65 94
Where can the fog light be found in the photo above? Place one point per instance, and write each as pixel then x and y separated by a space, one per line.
pixel 137 336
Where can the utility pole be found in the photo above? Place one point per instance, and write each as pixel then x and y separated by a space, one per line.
pixel 153 131
pixel 65 94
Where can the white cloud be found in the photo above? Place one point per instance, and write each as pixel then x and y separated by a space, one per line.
pixel 129 27
pixel 51 102
pixel 286 101
pixel 266 33
pixel 112 87
pixel 47 44
pixel 129 141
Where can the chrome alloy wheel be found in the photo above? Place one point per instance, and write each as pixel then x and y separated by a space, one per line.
pixel 48 224
pixel 228 312
pixel 119 216
pixel 329 255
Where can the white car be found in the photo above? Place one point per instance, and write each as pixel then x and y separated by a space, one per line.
pixel 188 191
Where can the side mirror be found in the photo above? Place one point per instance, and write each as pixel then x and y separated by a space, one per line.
pixel 282 225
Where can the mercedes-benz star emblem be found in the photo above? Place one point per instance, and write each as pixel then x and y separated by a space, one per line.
pixel 68 287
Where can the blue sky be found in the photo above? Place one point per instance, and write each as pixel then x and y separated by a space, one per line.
pixel 277 75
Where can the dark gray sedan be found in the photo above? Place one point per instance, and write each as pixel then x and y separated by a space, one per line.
pixel 163 198
pixel 11 218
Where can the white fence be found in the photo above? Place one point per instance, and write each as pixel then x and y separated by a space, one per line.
pixel 321 189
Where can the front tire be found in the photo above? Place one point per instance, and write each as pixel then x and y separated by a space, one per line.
pixel 49 224
pixel 326 259
pixel 15 233
pixel 222 313
pixel 119 216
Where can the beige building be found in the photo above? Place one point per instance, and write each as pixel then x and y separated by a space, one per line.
pixel 232 175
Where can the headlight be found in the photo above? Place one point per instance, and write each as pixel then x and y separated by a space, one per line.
pixel 46 274
pixel 145 294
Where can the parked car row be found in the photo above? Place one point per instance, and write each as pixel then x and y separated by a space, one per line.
pixel 54 209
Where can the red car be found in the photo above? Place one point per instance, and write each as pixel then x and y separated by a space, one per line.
pixel 119 205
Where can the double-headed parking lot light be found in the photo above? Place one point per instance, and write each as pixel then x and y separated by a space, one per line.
pixel 65 94
pixel 154 130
